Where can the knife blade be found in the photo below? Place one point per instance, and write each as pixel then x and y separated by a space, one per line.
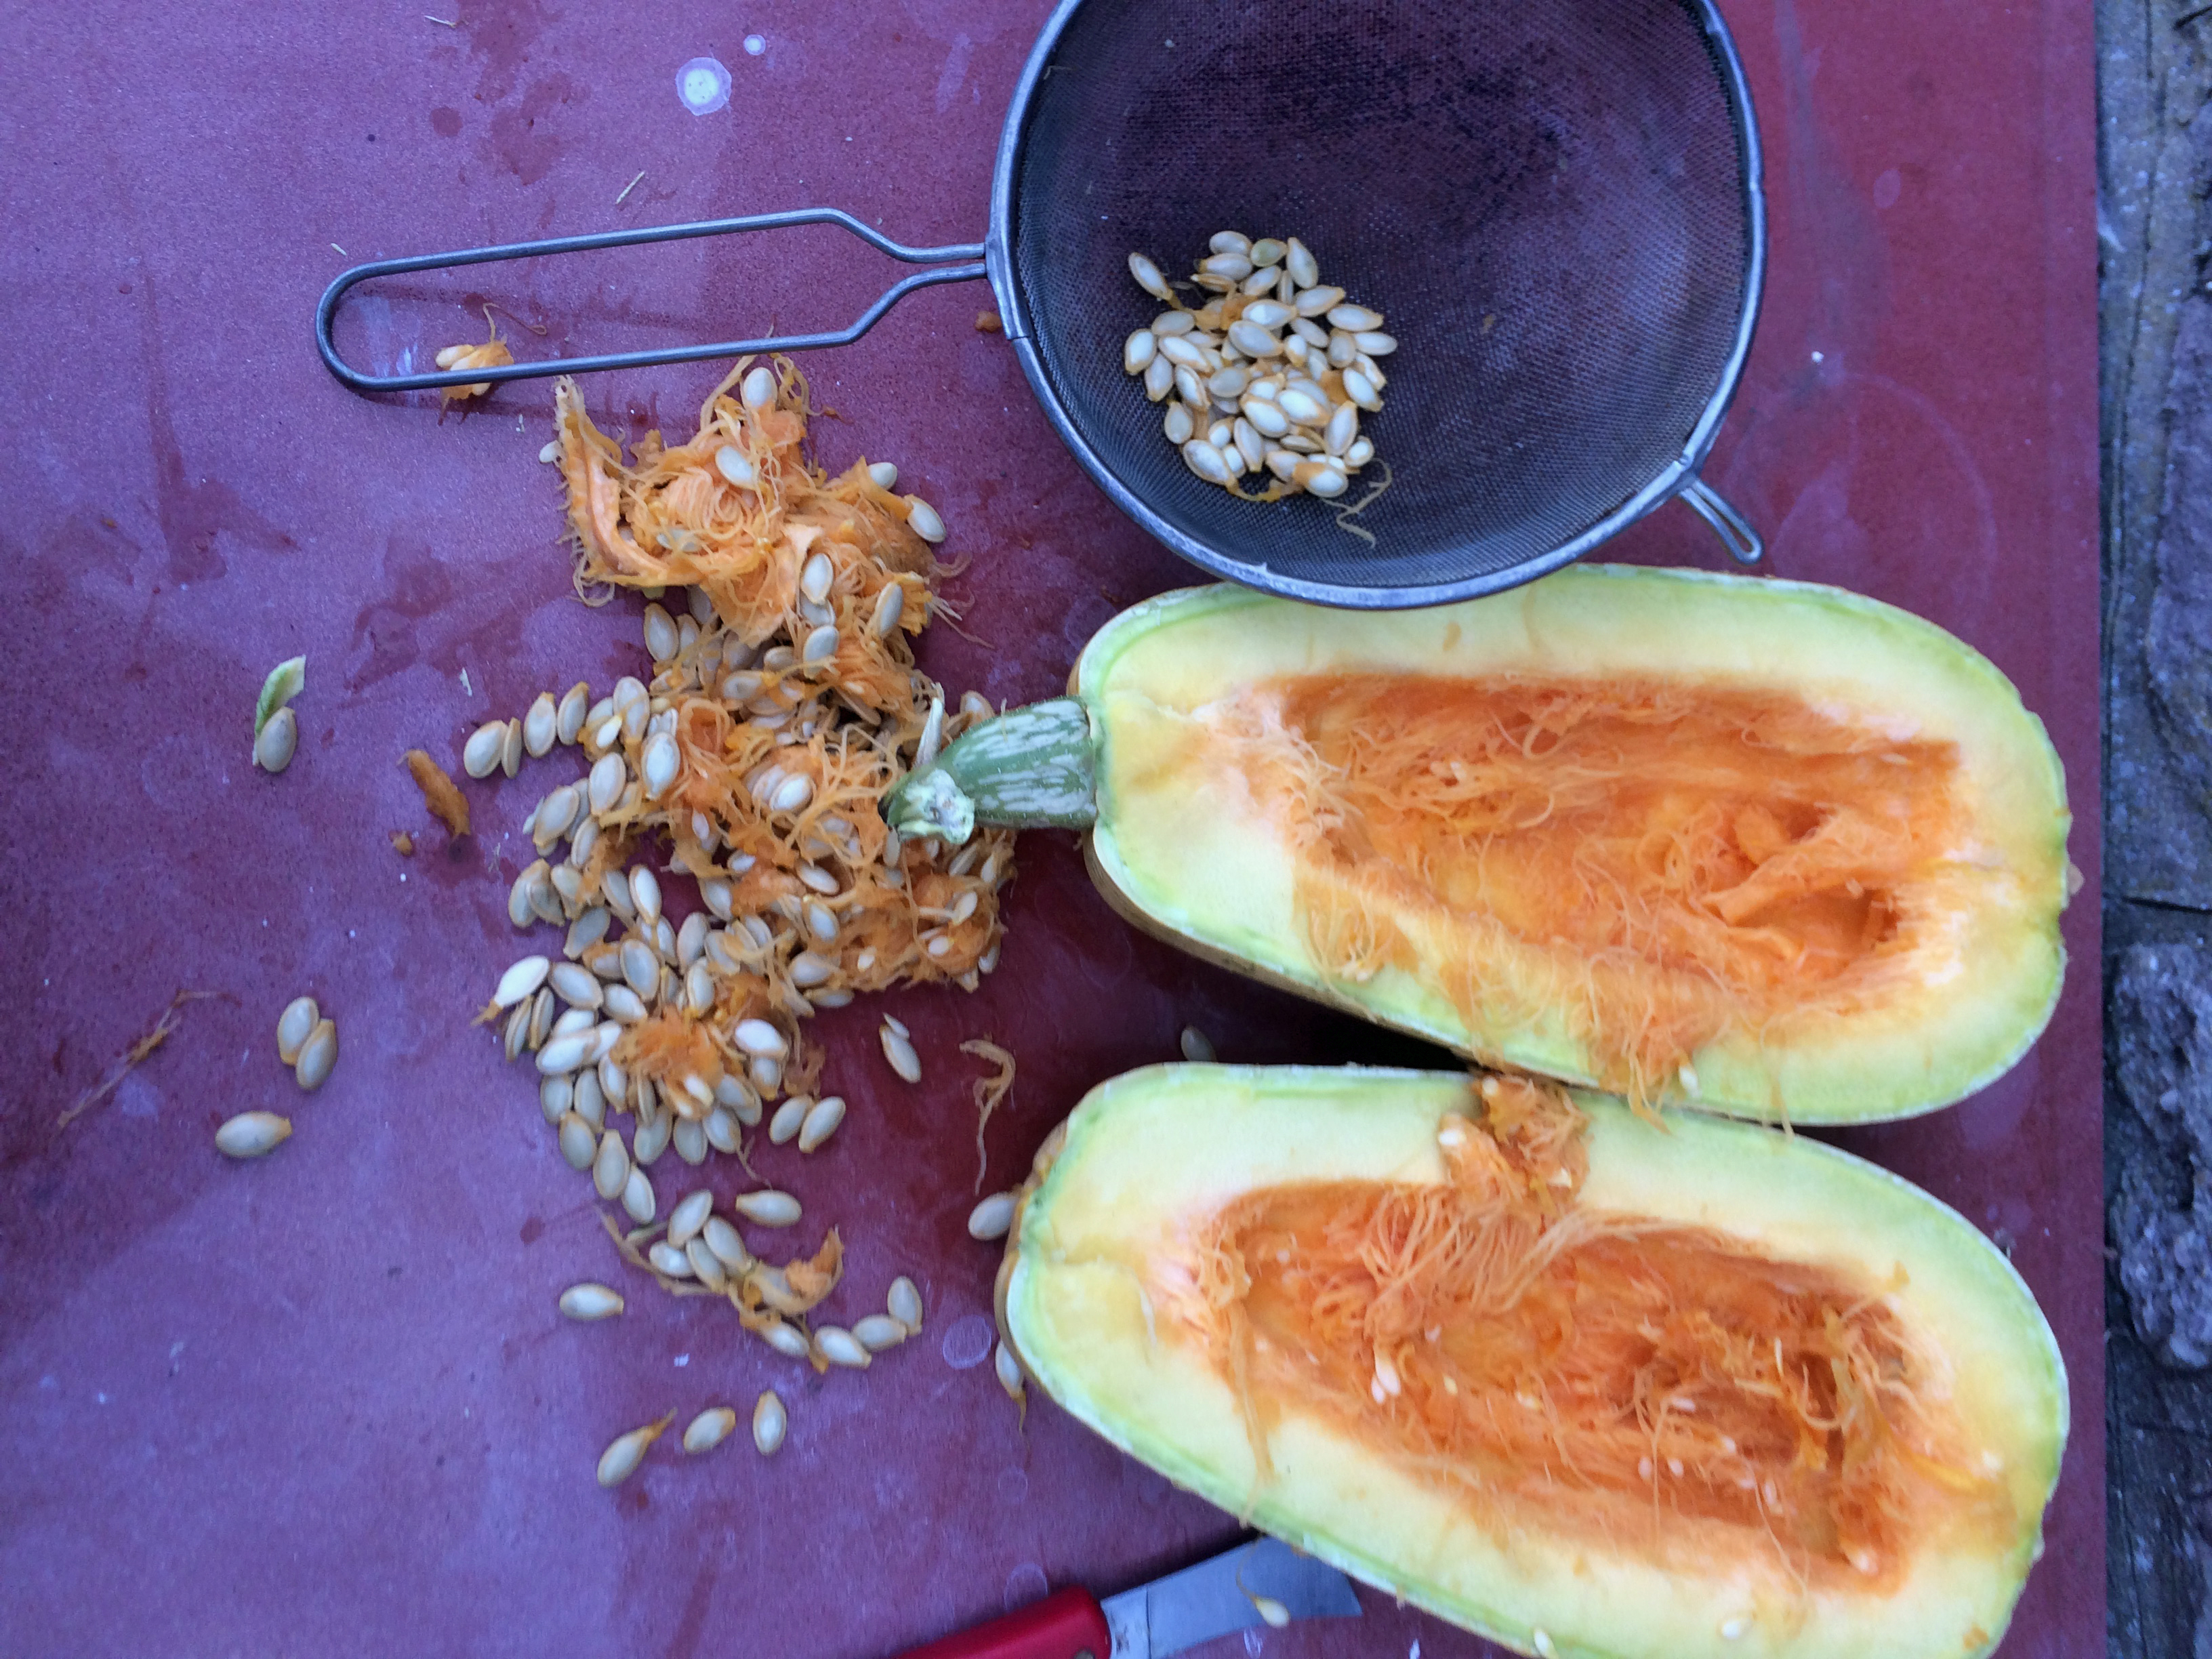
pixel 1164 1617
pixel 1215 1597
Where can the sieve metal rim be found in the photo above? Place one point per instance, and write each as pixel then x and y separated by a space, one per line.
pixel 1678 477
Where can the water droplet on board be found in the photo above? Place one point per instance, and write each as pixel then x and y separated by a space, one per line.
pixel 703 85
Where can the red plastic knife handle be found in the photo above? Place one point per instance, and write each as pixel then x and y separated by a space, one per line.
pixel 1065 1625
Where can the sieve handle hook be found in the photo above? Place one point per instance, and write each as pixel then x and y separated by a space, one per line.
pixel 960 263
pixel 1735 530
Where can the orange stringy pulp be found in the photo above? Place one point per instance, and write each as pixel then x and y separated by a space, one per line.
pixel 1680 861
pixel 790 717
pixel 1662 1386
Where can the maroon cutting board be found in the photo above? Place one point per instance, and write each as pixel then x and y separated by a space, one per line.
pixel 324 1403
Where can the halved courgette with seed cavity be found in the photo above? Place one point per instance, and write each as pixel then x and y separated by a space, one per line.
pixel 1586 1384
pixel 1769 848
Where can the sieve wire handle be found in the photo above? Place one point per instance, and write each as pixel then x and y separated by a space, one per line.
pixel 960 263
pixel 1735 530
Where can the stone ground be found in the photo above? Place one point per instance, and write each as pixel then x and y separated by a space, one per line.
pixel 2156 160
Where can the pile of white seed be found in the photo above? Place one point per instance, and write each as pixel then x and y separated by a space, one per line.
pixel 1271 374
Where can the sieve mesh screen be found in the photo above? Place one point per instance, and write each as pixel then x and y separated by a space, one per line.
pixel 1550 204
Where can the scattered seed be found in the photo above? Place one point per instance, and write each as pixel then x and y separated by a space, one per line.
pixel 318 1055
pixel 578 1143
pixel 590 1302
pixel 685 1221
pixel 840 1347
pixel 766 1207
pixel 769 1421
pixel 252 1134
pixel 1139 350
pixel 480 754
pixel 659 633
pixel 565 1053
pixel 572 982
pixel 611 1167
pixel 557 1098
pixel 1272 1613
pixel 568 718
pixel 518 910
pixel 878 1332
pixel 821 1122
pixel 669 1261
pixel 510 748
pixel 905 1304
pixel 294 1025
pixel 278 741
pixel 517 1035
pixel 706 1267
pixel 541 1018
pixel 620 1459
pixel 651 1138
pixel 637 1200
pixel 520 981
pixel 723 1241
pixel 786 1339
pixel 709 1429
pixel 590 1102
pixel 789 1117
pixel 1010 1372
pixel 993 1219
pixel 899 1050
pixel 1196 1046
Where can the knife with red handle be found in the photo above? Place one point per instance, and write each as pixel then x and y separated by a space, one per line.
pixel 1262 1582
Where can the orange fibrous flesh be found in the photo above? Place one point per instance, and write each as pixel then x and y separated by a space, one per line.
pixel 1680 861
pixel 749 715
pixel 1665 1388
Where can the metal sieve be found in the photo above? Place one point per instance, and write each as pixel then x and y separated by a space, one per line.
pixel 1557 208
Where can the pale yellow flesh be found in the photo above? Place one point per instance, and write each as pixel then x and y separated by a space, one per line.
pixel 1185 848
pixel 1088 1298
